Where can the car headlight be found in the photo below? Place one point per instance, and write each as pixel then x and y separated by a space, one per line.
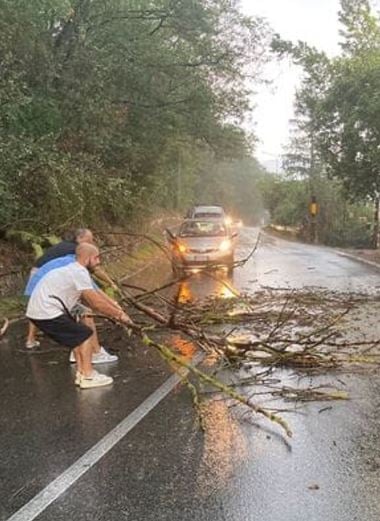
pixel 225 245
pixel 181 248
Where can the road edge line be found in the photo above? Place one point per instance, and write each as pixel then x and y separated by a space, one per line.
pixel 64 481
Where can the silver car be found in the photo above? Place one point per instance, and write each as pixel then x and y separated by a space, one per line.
pixel 202 243
pixel 206 212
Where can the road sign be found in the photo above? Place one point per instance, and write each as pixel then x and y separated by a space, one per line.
pixel 313 207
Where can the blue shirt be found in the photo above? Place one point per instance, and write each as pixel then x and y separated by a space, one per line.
pixel 48 266
pixel 61 249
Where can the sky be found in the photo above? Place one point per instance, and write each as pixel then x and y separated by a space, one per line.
pixel 313 21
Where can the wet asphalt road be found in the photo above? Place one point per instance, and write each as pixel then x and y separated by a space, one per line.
pixel 165 468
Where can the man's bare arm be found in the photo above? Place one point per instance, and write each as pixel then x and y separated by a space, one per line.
pixel 99 302
pixel 104 277
pixel 111 300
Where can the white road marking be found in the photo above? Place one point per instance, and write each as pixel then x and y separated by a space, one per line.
pixel 64 481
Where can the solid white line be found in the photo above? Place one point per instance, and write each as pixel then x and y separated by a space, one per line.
pixel 57 487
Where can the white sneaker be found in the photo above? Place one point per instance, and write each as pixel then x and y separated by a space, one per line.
pixel 95 380
pixel 103 357
pixel 31 344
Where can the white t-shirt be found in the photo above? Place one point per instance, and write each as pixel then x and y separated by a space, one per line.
pixel 66 283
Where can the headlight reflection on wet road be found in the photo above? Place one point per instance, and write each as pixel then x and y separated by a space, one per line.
pixel 201 285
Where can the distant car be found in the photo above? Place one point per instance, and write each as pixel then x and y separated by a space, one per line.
pixel 202 243
pixel 206 212
pixel 212 212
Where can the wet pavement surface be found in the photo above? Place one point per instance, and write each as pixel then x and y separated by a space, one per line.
pixel 166 468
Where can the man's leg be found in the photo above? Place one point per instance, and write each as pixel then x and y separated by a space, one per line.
pixel 83 356
pixel 76 335
pixel 99 354
pixel 31 339
pixel 90 322
pixel 86 376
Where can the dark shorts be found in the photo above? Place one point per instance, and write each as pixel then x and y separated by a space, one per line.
pixel 64 330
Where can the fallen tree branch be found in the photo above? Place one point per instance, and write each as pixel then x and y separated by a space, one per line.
pixel 223 388
pixel 159 245
pixel 241 262
pixel 171 358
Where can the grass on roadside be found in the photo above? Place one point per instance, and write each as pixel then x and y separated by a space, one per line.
pixel 12 307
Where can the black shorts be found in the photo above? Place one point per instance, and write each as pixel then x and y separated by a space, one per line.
pixel 64 330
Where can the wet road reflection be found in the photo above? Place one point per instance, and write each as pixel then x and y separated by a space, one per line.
pixel 224 449
pixel 202 285
pixel 184 347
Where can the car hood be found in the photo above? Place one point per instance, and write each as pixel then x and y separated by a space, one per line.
pixel 202 243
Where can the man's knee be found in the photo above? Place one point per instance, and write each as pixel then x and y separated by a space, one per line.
pixel 89 321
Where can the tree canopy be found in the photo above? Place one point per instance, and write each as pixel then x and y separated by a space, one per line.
pixel 338 102
pixel 103 101
pixel 337 123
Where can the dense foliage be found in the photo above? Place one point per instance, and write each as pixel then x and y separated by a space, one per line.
pixel 111 107
pixel 339 222
pixel 338 121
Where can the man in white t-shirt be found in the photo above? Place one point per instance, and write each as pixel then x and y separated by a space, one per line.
pixel 58 256
pixel 57 293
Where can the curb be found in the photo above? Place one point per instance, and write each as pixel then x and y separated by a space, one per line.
pixel 373 264
pixel 357 258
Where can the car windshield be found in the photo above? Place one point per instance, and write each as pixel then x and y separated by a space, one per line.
pixel 203 229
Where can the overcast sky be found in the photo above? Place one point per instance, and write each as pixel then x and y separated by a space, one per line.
pixel 313 21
